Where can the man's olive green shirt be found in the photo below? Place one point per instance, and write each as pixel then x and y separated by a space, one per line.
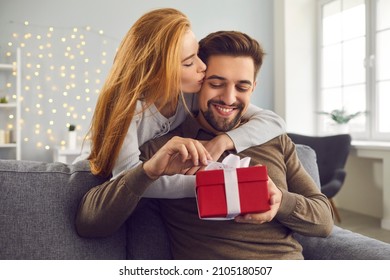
pixel 304 209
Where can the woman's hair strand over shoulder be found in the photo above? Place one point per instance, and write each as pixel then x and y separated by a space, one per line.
pixel 146 68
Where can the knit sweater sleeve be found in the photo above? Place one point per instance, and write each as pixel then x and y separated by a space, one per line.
pixel 262 126
pixel 304 208
pixel 172 187
pixel 104 208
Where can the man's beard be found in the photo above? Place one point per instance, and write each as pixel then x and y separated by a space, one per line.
pixel 222 125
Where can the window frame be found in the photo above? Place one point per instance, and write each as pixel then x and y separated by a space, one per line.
pixel 371 130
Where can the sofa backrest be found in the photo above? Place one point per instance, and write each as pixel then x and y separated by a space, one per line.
pixel 38 203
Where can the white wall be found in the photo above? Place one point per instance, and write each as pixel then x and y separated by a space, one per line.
pixel 295 63
pixel 44 122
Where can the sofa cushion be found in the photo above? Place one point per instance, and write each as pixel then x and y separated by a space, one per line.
pixel 38 203
pixel 343 244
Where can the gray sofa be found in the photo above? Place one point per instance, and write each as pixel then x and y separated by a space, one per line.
pixel 38 202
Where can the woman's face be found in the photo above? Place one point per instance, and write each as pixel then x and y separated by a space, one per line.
pixel 192 67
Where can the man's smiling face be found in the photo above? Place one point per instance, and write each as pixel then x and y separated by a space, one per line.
pixel 226 92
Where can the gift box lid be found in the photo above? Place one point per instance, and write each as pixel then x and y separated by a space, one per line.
pixel 244 174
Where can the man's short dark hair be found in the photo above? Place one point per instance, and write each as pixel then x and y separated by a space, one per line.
pixel 231 43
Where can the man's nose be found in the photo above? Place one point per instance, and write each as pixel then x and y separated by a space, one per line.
pixel 229 95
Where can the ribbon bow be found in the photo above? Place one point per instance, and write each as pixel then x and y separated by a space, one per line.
pixel 231 161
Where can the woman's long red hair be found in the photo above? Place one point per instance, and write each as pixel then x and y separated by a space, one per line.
pixel 147 68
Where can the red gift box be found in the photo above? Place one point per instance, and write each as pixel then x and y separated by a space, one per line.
pixel 251 196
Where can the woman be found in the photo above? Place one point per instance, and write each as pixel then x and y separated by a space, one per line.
pixel 143 98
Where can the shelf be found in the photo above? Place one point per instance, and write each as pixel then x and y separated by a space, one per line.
pixel 65 155
pixel 10 145
pixel 8 105
pixel 12 70
pixel 7 67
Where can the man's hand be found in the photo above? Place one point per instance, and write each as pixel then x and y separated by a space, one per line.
pixel 259 218
pixel 175 157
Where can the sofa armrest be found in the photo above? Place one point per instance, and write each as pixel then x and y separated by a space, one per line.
pixel 308 159
pixel 343 244
pixel 38 204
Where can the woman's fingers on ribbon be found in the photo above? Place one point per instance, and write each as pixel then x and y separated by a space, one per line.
pixel 201 151
pixel 191 149
pixel 193 170
pixel 176 157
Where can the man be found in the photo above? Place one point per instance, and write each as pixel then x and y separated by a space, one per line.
pixel 233 60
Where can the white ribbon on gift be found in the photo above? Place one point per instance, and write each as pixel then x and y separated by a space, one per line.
pixel 229 166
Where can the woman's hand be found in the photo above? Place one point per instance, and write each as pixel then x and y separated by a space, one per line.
pixel 216 147
pixel 260 218
pixel 175 157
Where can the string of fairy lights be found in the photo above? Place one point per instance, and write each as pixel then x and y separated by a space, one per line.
pixel 63 70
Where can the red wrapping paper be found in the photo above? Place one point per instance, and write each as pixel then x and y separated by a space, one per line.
pixel 252 189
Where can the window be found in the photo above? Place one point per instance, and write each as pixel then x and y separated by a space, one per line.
pixel 355 65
